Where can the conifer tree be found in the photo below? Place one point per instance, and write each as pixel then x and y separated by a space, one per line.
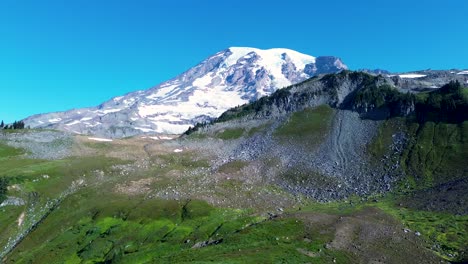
pixel 3 188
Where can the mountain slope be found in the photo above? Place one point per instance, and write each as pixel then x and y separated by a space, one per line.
pixel 354 134
pixel 232 77
pixel 247 187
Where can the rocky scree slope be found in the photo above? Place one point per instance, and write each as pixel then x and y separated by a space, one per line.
pixel 321 135
pixel 229 78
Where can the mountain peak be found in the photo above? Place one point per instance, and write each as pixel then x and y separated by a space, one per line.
pixel 231 77
pixel 271 54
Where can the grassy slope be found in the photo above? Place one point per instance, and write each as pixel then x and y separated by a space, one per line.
pixel 435 154
pixel 96 224
pixel 308 126
pixel 137 231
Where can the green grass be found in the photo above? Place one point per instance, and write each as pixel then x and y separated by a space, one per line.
pixel 381 142
pixel 99 145
pixel 196 136
pixel 233 166
pixel 275 241
pixel 307 126
pixel 257 129
pixel 229 134
pixel 446 233
pixel 436 153
pixel 96 224
pixel 7 151
pixel 180 161
pixel 132 230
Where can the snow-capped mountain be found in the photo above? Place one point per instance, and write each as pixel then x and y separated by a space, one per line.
pixel 231 77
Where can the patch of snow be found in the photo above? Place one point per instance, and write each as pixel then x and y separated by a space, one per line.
pixel 201 102
pixel 100 139
pixel 161 138
pixel 128 102
pixel 463 72
pixel 108 111
pixel 411 76
pixel 169 128
pixel 93 125
pixel 203 81
pixel 73 123
pixel 163 91
pixel 55 120
pixel 86 118
pixel 177 150
pixel 144 129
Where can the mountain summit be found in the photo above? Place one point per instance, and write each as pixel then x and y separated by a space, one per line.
pixel 232 77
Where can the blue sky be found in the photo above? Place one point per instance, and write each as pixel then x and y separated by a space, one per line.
pixel 57 55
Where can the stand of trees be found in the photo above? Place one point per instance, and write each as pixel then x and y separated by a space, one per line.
pixel 447 104
pixel 3 188
pixel 15 125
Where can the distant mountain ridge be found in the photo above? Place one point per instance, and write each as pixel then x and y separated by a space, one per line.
pixel 232 77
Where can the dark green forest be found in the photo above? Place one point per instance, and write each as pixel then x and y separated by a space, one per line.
pixel 15 125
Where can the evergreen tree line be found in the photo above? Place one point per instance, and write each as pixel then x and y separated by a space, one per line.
pixel 447 104
pixel 15 125
pixel 3 188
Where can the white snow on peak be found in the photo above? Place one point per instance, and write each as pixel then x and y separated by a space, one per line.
pixel 463 72
pixel 411 76
pixel 274 56
pixel 272 60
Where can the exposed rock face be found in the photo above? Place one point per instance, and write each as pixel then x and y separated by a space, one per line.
pixel 326 64
pixel 232 77
pixel 12 201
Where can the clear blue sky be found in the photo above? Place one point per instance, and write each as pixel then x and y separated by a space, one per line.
pixel 56 54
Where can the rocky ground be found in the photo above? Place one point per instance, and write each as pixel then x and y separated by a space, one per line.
pixel 40 144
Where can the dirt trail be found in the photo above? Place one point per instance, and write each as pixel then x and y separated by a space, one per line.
pixel 337 140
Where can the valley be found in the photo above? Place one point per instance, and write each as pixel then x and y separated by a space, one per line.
pixel 319 172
